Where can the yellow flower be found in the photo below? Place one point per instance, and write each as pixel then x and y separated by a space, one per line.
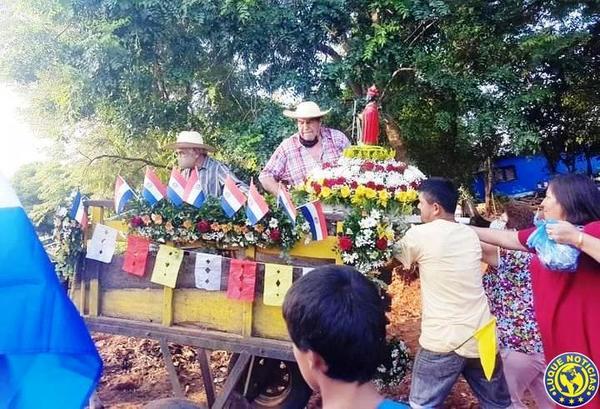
pixel 405 197
pixel 384 196
pixel 146 219
pixel 187 223
pixel 370 193
pixel 259 228
pixel 226 227
pixel 345 191
pixel 360 191
pixel 325 192
pixel 169 227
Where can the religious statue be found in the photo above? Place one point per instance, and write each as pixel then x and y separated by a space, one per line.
pixel 370 118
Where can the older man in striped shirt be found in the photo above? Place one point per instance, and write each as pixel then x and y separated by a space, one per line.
pixel 192 153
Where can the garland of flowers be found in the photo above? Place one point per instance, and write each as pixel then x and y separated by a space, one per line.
pixel 367 239
pixel 186 224
pixel 395 364
pixel 67 245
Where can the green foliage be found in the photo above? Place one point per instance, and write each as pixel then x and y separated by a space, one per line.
pixel 464 81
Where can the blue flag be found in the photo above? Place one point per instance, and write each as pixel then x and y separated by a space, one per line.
pixel 47 357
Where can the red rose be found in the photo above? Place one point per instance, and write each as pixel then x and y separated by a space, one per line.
pixel 415 185
pixel 316 187
pixel 379 168
pixel 341 180
pixel 371 185
pixel 379 187
pixel 345 243
pixel 354 184
pixel 203 226
pixel 136 221
pixel 275 234
pixel 326 165
pixel 390 167
pixel 401 167
pixel 403 188
pixel 368 166
pixel 329 182
pixel 381 244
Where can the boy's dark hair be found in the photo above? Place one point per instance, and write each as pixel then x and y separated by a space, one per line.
pixel 441 191
pixel 578 196
pixel 338 313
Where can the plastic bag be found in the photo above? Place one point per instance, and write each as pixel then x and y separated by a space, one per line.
pixel 555 256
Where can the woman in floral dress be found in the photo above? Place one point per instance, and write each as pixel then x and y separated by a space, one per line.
pixel 508 287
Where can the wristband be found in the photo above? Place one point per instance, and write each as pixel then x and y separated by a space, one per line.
pixel 580 240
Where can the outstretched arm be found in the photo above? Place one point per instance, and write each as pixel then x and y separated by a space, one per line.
pixel 489 254
pixel 565 233
pixel 508 239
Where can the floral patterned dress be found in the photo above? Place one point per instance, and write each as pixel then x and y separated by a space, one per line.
pixel 510 296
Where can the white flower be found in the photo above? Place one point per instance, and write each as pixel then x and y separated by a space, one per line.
pixel 273 223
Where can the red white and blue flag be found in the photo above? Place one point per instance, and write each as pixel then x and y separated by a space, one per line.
pixel 284 200
pixel 154 190
pixel 313 213
pixel 123 194
pixel 176 188
pixel 78 211
pixel 232 198
pixel 193 193
pixel 257 207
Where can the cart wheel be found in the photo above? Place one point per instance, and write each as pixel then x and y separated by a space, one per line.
pixel 273 384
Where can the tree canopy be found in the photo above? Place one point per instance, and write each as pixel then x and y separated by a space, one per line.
pixel 461 81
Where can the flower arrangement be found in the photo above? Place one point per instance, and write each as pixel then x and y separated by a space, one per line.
pixel 395 364
pixel 371 152
pixel 367 239
pixel 67 243
pixel 167 223
pixel 388 185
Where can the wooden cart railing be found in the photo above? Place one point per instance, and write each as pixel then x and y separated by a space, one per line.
pixel 115 302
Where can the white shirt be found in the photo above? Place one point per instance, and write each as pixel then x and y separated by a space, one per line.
pixel 454 303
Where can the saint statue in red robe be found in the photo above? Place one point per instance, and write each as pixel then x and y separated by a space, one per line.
pixel 370 118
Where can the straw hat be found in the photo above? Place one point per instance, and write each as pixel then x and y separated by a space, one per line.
pixel 190 139
pixel 306 109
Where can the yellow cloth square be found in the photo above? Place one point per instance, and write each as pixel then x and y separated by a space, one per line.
pixel 278 280
pixel 166 267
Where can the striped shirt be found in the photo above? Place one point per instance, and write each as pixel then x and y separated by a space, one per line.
pixel 292 162
pixel 212 175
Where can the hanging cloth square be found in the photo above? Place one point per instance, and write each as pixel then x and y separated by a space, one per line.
pixel 207 271
pixel 166 267
pixel 278 280
pixel 242 280
pixel 136 255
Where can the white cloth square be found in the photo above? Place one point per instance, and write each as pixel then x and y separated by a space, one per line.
pixel 103 243
pixel 207 271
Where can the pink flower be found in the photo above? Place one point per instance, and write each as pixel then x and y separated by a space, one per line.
pixel 368 166
pixel 345 243
pixel 203 226
pixel 381 244
pixel 275 235
pixel 136 221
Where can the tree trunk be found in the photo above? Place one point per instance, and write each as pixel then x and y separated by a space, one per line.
pixel 394 137
pixel 489 185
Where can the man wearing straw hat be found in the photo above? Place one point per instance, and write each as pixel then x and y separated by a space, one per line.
pixel 310 148
pixel 192 153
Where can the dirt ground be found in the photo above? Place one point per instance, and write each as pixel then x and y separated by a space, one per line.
pixel 134 373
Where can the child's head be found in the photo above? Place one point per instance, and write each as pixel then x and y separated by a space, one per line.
pixel 336 319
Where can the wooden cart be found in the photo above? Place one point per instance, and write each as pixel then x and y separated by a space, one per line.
pixel 262 368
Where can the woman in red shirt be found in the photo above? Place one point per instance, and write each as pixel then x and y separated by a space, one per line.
pixel 567 305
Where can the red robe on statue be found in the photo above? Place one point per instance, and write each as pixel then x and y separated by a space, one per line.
pixel 370 124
